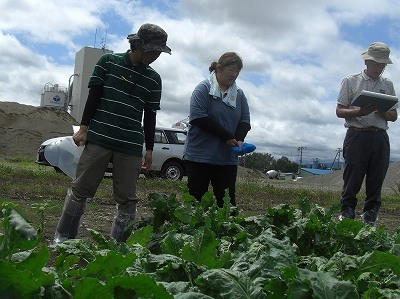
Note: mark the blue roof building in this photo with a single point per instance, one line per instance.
(313, 171)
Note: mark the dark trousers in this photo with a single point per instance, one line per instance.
(221, 177)
(366, 155)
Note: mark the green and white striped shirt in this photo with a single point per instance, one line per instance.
(127, 91)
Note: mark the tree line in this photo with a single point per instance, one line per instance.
(265, 161)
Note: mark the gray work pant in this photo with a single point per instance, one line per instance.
(90, 172)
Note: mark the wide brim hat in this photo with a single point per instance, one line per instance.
(152, 38)
(378, 52)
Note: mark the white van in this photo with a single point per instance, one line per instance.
(167, 154)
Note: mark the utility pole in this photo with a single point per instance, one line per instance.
(338, 151)
(300, 153)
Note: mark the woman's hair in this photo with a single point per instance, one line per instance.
(227, 59)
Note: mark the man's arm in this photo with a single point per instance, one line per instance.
(345, 112)
(91, 105)
(149, 128)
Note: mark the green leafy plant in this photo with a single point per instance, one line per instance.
(191, 249)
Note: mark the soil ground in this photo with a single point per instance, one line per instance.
(23, 128)
(99, 216)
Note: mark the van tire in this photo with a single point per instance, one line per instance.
(172, 171)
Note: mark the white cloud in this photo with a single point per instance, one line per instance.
(295, 55)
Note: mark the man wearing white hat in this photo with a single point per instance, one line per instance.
(366, 147)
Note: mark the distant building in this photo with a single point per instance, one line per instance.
(325, 165)
(53, 96)
(85, 60)
(312, 171)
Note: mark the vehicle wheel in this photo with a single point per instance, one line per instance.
(172, 171)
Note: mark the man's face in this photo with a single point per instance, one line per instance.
(150, 56)
(374, 69)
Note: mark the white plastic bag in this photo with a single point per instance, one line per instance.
(65, 155)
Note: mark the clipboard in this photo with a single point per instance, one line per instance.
(369, 98)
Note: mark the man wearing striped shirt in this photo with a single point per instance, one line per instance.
(124, 89)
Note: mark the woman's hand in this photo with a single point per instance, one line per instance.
(232, 142)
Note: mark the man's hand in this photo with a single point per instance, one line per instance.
(362, 111)
(148, 159)
(390, 115)
(80, 136)
(345, 112)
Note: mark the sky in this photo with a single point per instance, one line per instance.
(295, 55)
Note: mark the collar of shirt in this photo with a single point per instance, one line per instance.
(365, 77)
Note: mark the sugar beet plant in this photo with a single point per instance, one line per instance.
(196, 250)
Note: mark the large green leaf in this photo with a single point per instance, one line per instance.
(202, 250)
(141, 236)
(325, 286)
(22, 283)
(18, 236)
(226, 283)
(108, 263)
(174, 242)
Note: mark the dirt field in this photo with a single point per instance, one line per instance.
(23, 128)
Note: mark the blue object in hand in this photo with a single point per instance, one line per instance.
(245, 149)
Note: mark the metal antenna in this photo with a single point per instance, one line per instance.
(104, 41)
(95, 36)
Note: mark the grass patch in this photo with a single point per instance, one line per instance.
(30, 185)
